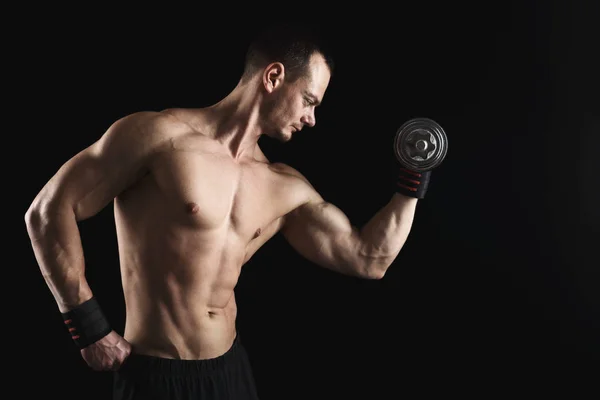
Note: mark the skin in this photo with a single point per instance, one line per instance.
(194, 199)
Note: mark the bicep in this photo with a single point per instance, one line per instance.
(323, 234)
(87, 182)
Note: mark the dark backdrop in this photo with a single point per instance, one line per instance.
(496, 287)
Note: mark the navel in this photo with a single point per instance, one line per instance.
(192, 208)
(257, 233)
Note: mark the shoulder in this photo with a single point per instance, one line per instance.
(149, 122)
(285, 169)
(144, 130)
(304, 191)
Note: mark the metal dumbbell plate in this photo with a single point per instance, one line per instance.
(420, 144)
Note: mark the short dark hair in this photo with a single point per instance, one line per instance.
(290, 43)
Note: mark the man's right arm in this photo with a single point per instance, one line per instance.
(82, 187)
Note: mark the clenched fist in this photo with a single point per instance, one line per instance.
(108, 353)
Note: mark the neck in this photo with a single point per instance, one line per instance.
(235, 122)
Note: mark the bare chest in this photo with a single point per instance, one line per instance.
(210, 191)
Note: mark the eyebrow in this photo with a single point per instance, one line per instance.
(313, 98)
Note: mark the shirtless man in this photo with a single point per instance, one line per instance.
(194, 198)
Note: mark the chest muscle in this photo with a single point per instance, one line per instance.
(213, 192)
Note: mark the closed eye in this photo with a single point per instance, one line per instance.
(309, 99)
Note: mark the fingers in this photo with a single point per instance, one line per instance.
(124, 350)
(106, 356)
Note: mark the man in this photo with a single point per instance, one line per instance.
(194, 198)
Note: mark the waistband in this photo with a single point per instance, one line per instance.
(146, 364)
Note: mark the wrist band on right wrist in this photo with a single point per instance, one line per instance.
(86, 323)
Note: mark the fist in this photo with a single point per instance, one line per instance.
(108, 353)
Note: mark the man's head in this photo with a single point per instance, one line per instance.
(293, 67)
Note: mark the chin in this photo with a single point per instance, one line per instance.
(282, 136)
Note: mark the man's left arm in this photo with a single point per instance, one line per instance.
(323, 234)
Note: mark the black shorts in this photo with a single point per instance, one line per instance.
(228, 376)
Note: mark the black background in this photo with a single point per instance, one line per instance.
(496, 289)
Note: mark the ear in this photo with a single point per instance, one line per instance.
(273, 76)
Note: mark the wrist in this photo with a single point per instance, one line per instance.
(74, 299)
(71, 291)
(412, 183)
(86, 323)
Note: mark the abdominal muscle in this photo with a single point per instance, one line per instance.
(178, 285)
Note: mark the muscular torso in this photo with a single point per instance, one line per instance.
(184, 232)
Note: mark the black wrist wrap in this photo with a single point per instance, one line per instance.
(412, 183)
(86, 323)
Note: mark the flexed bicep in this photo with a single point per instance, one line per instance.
(322, 233)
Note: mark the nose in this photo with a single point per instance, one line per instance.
(309, 119)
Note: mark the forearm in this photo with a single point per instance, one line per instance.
(384, 235)
(57, 247)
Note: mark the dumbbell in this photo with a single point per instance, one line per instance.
(420, 144)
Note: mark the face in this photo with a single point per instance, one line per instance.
(289, 107)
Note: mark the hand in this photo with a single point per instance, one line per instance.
(108, 353)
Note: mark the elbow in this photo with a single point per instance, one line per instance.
(33, 218)
(37, 218)
(373, 265)
(375, 273)
(373, 269)
(36, 222)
